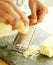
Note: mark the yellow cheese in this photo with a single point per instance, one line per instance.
(47, 47)
(6, 30)
(22, 28)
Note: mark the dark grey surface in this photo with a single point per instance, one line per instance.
(9, 52)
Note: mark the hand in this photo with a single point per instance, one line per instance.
(10, 14)
(38, 11)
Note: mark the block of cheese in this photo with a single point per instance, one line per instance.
(31, 51)
(22, 28)
(47, 47)
(6, 30)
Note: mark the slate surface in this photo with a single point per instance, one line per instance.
(9, 52)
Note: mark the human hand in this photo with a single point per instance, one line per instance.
(11, 14)
(38, 11)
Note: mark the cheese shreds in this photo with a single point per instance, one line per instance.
(31, 51)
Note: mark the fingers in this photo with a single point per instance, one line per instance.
(6, 18)
(38, 11)
(33, 20)
(8, 9)
(41, 14)
(33, 17)
(7, 14)
(2, 19)
(41, 10)
(23, 16)
(3, 16)
(10, 16)
(5, 0)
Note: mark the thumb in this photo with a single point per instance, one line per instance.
(33, 20)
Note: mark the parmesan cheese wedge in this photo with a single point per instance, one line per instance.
(7, 29)
(47, 47)
(22, 28)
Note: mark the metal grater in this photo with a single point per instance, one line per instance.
(24, 40)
